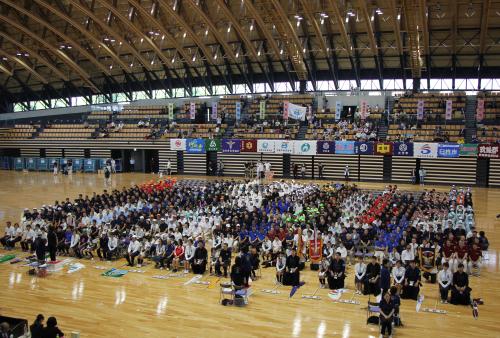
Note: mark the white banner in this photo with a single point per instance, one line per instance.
(420, 110)
(171, 111)
(449, 109)
(265, 146)
(304, 147)
(283, 147)
(214, 111)
(192, 110)
(177, 144)
(297, 112)
(425, 150)
(338, 110)
(363, 109)
(238, 110)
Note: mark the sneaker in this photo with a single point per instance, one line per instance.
(139, 265)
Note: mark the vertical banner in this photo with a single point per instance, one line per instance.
(192, 110)
(238, 110)
(214, 111)
(449, 109)
(338, 110)
(262, 109)
(285, 110)
(171, 111)
(363, 109)
(420, 110)
(480, 110)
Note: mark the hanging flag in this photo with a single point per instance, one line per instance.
(195, 145)
(214, 111)
(304, 147)
(192, 110)
(177, 144)
(448, 150)
(325, 147)
(238, 110)
(488, 151)
(265, 146)
(338, 110)
(285, 110)
(402, 149)
(363, 109)
(363, 148)
(383, 148)
(297, 112)
(420, 109)
(449, 109)
(425, 150)
(231, 145)
(171, 111)
(283, 147)
(468, 149)
(262, 109)
(212, 144)
(480, 110)
(248, 146)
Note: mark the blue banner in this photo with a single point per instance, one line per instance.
(238, 110)
(230, 145)
(448, 150)
(344, 147)
(195, 145)
(402, 149)
(363, 148)
(325, 147)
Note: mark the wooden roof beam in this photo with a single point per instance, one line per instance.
(267, 34)
(25, 65)
(484, 25)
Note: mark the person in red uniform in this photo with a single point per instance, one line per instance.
(447, 253)
(178, 255)
(475, 255)
(461, 253)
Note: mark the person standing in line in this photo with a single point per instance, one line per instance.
(386, 306)
(295, 167)
(113, 166)
(52, 243)
(55, 167)
(320, 170)
(421, 174)
(346, 173)
(303, 171)
(169, 167)
(413, 175)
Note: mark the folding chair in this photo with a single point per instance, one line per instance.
(372, 313)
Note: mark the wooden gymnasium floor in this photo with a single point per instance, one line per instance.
(140, 306)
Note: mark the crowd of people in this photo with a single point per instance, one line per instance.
(391, 239)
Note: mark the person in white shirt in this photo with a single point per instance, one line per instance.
(445, 280)
(342, 251)
(280, 267)
(359, 275)
(188, 254)
(133, 250)
(398, 275)
(407, 255)
(27, 239)
(74, 245)
(112, 245)
(267, 246)
(9, 234)
(276, 246)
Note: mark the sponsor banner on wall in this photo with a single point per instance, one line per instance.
(248, 146)
(230, 145)
(212, 145)
(192, 110)
(480, 110)
(265, 146)
(177, 144)
(402, 149)
(338, 110)
(325, 147)
(304, 147)
(383, 148)
(238, 110)
(487, 150)
(262, 109)
(468, 149)
(344, 147)
(170, 111)
(214, 110)
(425, 150)
(448, 150)
(363, 148)
(195, 145)
(283, 147)
(420, 109)
(449, 109)
(297, 112)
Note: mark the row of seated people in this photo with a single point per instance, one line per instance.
(342, 130)
(269, 129)
(405, 107)
(487, 134)
(426, 132)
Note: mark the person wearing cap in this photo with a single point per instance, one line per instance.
(133, 250)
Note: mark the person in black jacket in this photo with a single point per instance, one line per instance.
(412, 282)
(460, 291)
(200, 259)
(224, 260)
(236, 273)
(39, 246)
(52, 243)
(36, 328)
(336, 273)
(292, 274)
(372, 277)
(51, 330)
